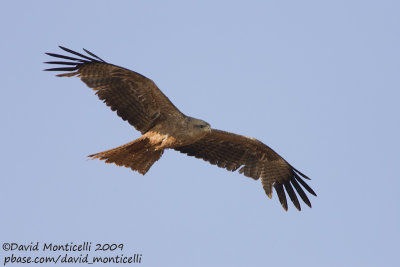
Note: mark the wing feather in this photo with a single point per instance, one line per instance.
(292, 194)
(306, 186)
(301, 192)
(255, 160)
(134, 97)
(281, 195)
(66, 57)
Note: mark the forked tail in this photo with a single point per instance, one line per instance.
(137, 155)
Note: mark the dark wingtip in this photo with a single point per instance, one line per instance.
(77, 54)
(73, 63)
(66, 57)
(62, 69)
(281, 195)
(93, 55)
(302, 174)
(292, 195)
(306, 186)
(61, 62)
(64, 48)
(300, 191)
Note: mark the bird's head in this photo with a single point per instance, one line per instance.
(199, 126)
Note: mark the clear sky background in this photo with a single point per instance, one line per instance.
(318, 81)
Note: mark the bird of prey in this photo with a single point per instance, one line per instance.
(139, 101)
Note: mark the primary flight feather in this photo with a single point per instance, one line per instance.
(138, 100)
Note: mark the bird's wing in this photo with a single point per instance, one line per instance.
(255, 160)
(134, 97)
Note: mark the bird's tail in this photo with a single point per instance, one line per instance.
(137, 155)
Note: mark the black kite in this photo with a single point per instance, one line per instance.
(138, 100)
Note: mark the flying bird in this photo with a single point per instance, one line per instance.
(139, 101)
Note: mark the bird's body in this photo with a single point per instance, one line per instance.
(138, 100)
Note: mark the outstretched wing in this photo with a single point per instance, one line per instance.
(232, 151)
(134, 97)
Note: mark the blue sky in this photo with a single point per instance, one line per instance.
(318, 81)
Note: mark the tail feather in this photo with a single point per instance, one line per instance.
(137, 155)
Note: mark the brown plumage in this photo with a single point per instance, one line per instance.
(138, 100)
